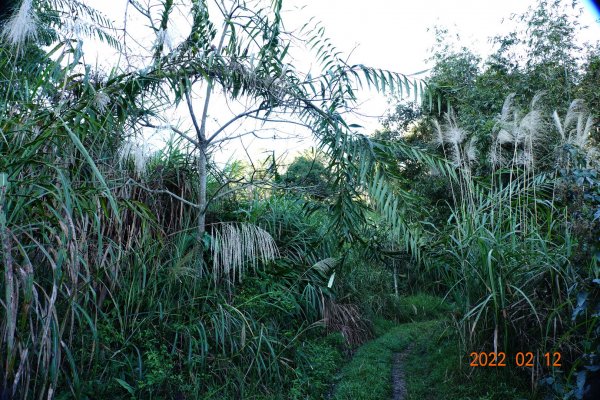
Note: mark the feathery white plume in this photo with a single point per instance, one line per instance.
(524, 158)
(575, 109)
(577, 125)
(536, 99)
(504, 137)
(453, 133)
(101, 101)
(439, 139)
(530, 127)
(22, 25)
(495, 157)
(471, 149)
(558, 124)
(507, 107)
(582, 133)
(138, 152)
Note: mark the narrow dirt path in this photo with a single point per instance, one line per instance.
(398, 382)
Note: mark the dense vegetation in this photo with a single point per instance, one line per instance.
(468, 223)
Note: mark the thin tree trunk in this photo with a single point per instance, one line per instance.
(202, 162)
(202, 175)
(396, 280)
(203, 143)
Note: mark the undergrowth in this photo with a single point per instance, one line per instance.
(434, 368)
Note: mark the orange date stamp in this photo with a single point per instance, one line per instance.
(521, 359)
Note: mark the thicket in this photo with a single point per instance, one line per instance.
(128, 276)
(166, 276)
(513, 239)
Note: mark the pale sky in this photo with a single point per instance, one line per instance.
(398, 35)
(390, 34)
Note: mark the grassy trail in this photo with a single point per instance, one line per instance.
(420, 361)
(398, 378)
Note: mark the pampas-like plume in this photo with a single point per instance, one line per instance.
(21, 26)
(577, 125)
(507, 108)
(523, 133)
(136, 151)
(524, 158)
(451, 134)
(439, 139)
(530, 128)
(101, 101)
(575, 131)
(234, 245)
(576, 108)
(517, 130)
(471, 150)
(495, 157)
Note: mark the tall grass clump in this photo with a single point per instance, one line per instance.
(507, 253)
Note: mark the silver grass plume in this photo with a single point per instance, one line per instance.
(536, 99)
(136, 151)
(504, 136)
(522, 133)
(507, 108)
(451, 134)
(507, 130)
(559, 126)
(530, 133)
(575, 130)
(496, 158)
(439, 139)
(21, 26)
(584, 134)
(576, 108)
(524, 158)
(577, 125)
(579, 135)
(471, 150)
(234, 245)
(101, 101)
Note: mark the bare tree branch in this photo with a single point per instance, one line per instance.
(174, 129)
(161, 191)
(231, 121)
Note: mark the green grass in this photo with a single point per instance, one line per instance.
(421, 307)
(434, 367)
(368, 375)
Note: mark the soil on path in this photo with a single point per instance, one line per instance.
(398, 381)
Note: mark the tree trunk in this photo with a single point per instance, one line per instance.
(202, 174)
(203, 143)
(396, 280)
